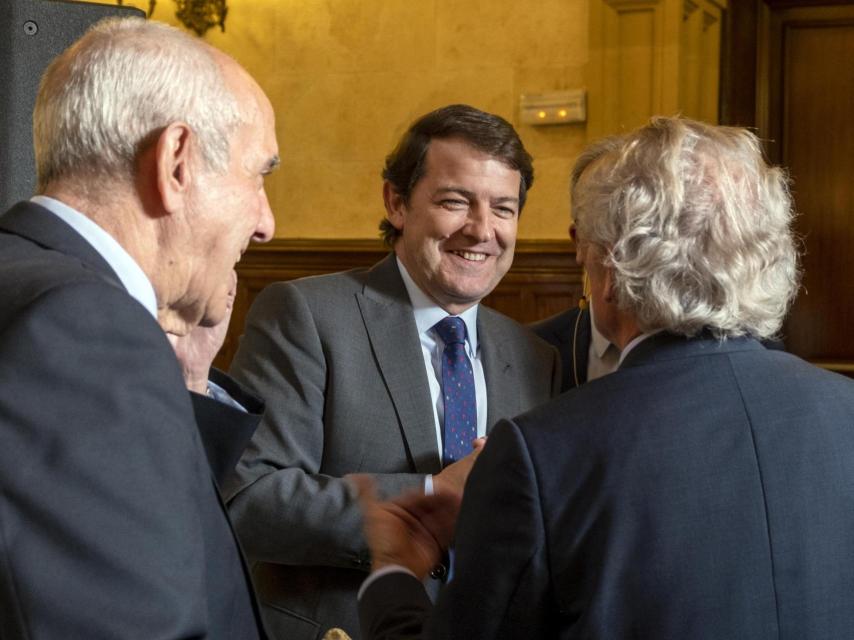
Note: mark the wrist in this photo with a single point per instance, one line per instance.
(199, 386)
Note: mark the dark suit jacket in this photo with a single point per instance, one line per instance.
(339, 361)
(111, 525)
(704, 490)
(569, 333)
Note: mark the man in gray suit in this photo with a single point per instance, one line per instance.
(351, 366)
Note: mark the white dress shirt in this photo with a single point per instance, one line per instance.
(602, 356)
(427, 313)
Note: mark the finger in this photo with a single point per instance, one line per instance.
(232, 290)
(436, 514)
(423, 507)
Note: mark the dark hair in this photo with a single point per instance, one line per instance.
(489, 133)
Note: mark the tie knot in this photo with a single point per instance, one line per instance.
(452, 330)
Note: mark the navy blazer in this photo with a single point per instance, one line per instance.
(569, 332)
(111, 525)
(704, 490)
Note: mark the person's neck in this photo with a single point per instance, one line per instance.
(119, 216)
(625, 330)
(123, 217)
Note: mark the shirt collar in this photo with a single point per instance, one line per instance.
(634, 342)
(600, 342)
(129, 272)
(428, 313)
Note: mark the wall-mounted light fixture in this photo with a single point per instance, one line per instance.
(198, 15)
(555, 107)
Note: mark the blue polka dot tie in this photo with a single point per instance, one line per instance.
(460, 426)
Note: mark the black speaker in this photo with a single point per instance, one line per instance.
(32, 33)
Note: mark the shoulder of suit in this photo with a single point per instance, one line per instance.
(320, 286)
(33, 272)
(557, 323)
(497, 324)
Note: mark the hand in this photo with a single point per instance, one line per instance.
(412, 530)
(197, 349)
(453, 478)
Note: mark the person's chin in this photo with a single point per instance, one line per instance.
(463, 288)
(214, 314)
(456, 297)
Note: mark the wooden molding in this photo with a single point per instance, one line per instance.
(652, 57)
(543, 280)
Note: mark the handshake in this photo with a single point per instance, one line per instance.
(414, 530)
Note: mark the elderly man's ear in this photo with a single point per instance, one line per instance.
(173, 167)
(610, 294)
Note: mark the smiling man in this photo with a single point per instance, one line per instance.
(391, 371)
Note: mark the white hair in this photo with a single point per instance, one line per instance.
(695, 226)
(107, 96)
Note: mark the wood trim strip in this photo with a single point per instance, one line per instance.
(543, 280)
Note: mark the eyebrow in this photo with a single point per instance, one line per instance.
(471, 195)
(272, 164)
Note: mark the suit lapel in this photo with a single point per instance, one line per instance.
(502, 384)
(387, 314)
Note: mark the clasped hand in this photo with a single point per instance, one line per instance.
(414, 530)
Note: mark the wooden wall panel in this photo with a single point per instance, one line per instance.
(813, 103)
(630, 71)
(652, 57)
(637, 74)
(786, 70)
(738, 64)
(544, 278)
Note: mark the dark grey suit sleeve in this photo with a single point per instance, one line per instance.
(285, 508)
(225, 430)
(99, 467)
(501, 578)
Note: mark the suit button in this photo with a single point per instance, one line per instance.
(439, 572)
(360, 561)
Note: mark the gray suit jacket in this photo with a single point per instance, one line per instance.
(339, 362)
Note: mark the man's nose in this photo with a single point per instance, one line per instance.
(479, 223)
(266, 222)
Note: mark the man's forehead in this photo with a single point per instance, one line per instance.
(258, 130)
(446, 156)
(445, 148)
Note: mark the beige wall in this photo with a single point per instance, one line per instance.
(347, 76)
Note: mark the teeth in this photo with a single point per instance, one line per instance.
(469, 255)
